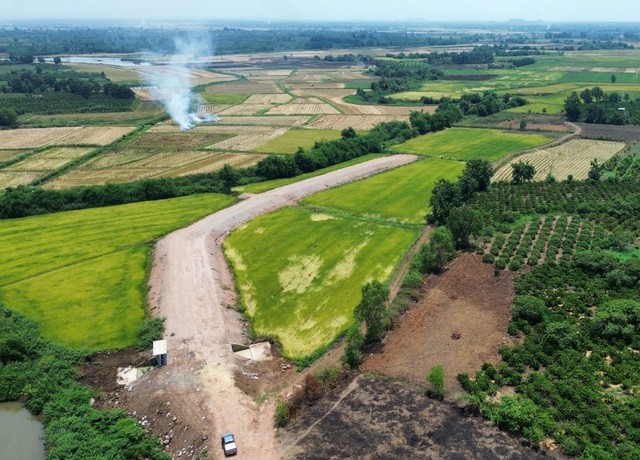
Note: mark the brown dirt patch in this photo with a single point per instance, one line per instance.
(375, 419)
(467, 302)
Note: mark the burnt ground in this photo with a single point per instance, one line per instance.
(460, 323)
(378, 419)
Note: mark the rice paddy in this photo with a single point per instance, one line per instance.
(81, 274)
(468, 144)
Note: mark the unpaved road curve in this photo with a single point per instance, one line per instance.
(190, 285)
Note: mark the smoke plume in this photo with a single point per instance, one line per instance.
(172, 83)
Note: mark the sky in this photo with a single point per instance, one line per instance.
(325, 10)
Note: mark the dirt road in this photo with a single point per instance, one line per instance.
(192, 287)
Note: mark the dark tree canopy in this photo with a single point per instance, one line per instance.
(444, 197)
(372, 309)
(522, 172)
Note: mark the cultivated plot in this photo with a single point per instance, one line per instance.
(286, 121)
(572, 158)
(38, 137)
(299, 273)
(469, 144)
(48, 160)
(124, 165)
(358, 122)
(81, 274)
(290, 141)
(400, 195)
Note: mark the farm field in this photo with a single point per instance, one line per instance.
(68, 252)
(260, 187)
(299, 273)
(285, 121)
(400, 195)
(183, 140)
(571, 158)
(38, 164)
(124, 165)
(357, 122)
(224, 98)
(294, 138)
(29, 138)
(469, 144)
(244, 139)
(10, 155)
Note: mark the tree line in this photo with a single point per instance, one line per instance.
(596, 106)
(79, 83)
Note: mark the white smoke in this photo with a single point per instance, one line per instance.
(171, 83)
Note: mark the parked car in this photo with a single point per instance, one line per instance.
(229, 444)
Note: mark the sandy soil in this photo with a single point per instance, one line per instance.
(191, 285)
(460, 324)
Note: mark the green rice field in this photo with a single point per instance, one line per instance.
(299, 273)
(400, 195)
(294, 138)
(260, 187)
(468, 144)
(82, 274)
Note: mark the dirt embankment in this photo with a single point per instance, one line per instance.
(192, 400)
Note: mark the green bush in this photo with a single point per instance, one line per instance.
(282, 414)
(436, 380)
(488, 258)
(353, 346)
(152, 329)
(413, 280)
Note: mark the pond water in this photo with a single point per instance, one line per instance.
(21, 433)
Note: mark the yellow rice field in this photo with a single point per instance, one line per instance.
(29, 138)
(572, 158)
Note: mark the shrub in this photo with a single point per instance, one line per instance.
(436, 379)
(529, 309)
(488, 258)
(152, 329)
(413, 280)
(282, 413)
(353, 346)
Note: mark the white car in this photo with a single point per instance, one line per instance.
(229, 444)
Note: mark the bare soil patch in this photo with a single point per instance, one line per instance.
(467, 301)
(377, 419)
